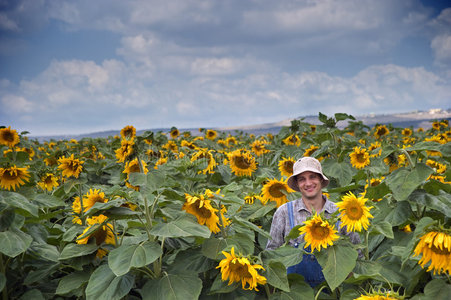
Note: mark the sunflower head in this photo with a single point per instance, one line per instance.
(13, 177)
(48, 182)
(242, 162)
(174, 133)
(292, 140)
(9, 137)
(354, 213)
(211, 134)
(200, 207)
(237, 268)
(381, 131)
(259, 147)
(360, 158)
(128, 132)
(309, 151)
(318, 233)
(275, 190)
(70, 166)
(435, 247)
(286, 166)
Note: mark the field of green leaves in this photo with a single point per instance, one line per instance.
(180, 215)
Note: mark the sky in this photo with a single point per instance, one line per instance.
(75, 67)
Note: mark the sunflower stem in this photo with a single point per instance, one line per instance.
(82, 217)
(409, 159)
(367, 254)
(221, 223)
(3, 271)
(319, 291)
(268, 292)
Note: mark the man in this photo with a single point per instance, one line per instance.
(307, 178)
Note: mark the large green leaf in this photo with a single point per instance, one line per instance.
(181, 227)
(212, 247)
(299, 289)
(276, 275)
(383, 227)
(46, 200)
(19, 201)
(125, 257)
(251, 226)
(287, 255)
(337, 261)
(46, 251)
(104, 285)
(2, 281)
(72, 282)
(342, 171)
(435, 289)
(191, 259)
(173, 287)
(75, 250)
(14, 242)
(400, 213)
(402, 182)
(441, 202)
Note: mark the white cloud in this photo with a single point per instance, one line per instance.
(441, 45)
(16, 104)
(8, 24)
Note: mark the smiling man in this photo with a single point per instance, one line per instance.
(307, 178)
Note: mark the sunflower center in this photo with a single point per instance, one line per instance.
(240, 269)
(360, 157)
(48, 180)
(97, 199)
(439, 251)
(100, 236)
(202, 212)
(320, 232)
(8, 136)
(288, 166)
(242, 163)
(10, 175)
(275, 190)
(354, 211)
(134, 169)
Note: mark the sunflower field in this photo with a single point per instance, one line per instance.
(183, 215)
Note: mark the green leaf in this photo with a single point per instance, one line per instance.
(287, 255)
(337, 261)
(299, 289)
(173, 287)
(14, 242)
(104, 285)
(436, 289)
(19, 201)
(400, 213)
(242, 242)
(6, 218)
(125, 257)
(342, 171)
(34, 294)
(441, 202)
(181, 227)
(403, 182)
(212, 247)
(46, 251)
(343, 116)
(72, 182)
(50, 201)
(276, 275)
(190, 259)
(75, 250)
(251, 226)
(71, 282)
(384, 228)
(137, 179)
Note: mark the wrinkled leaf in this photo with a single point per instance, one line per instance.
(173, 287)
(14, 242)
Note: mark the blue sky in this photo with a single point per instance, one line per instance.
(73, 67)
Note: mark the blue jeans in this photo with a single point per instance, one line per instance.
(309, 268)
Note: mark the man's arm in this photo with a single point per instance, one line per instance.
(277, 230)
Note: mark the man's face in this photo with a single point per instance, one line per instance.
(309, 184)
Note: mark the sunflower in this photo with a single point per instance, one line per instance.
(104, 234)
(12, 177)
(360, 158)
(374, 146)
(407, 132)
(259, 147)
(171, 146)
(438, 167)
(275, 190)
(200, 207)
(242, 162)
(174, 133)
(318, 233)
(231, 141)
(379, 295)
(354, 213)
(48, 182)
(309, 151)
(286, 166)
(375, 182)
(435, 246)
(250, 198)
(381, 131)
(205, 155)
(211, 134)
(292, 140)
(70, 166)
(133, 167)
(189, 145)
(238, 268)
(93, 197)
(9, 137)
(128, 132)
(436, 125)
(125, 150)
(394, 161)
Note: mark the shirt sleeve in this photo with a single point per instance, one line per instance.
(277, 230)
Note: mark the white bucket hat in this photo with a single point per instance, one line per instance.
(306, 164)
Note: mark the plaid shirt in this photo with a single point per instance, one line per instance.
(280, 226)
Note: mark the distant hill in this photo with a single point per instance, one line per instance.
(413, 119)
